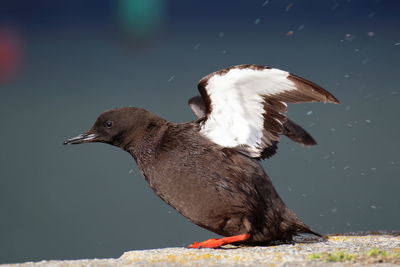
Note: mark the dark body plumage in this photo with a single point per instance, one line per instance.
(209, 169)
(216, 188)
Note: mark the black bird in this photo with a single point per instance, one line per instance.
(209, 169)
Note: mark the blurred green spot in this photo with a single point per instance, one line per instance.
(140, 16)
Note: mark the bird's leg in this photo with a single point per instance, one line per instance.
(216, 243)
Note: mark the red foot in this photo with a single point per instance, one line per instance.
(216, 243)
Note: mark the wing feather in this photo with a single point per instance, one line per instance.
(245, 106)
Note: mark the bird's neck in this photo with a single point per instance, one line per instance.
(144, 143)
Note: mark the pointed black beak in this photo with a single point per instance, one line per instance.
(82, 138)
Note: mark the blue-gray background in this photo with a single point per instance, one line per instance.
(67, 61)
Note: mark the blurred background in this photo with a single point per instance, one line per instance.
(64, 62)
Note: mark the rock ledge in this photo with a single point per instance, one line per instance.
(353, 249)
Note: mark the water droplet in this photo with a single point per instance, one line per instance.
(288, 7)
(301, 27)
(334, 210)
(367, 96)
(349, 37)
(309, 113)
(171, 78)
(257, 21)
(373, 207)
(265, 3)
(221, 34)
(197, 46)
(333, 129)
(365, 60)
(289, 33)
(368, 121)
(130, 171)
(345, 167)
(371, 34)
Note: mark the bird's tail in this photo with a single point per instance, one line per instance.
(297, 134)
(295, 226)
(303, 229)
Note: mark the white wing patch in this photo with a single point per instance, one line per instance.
(237, 105)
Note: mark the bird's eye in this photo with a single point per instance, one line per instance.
(108, 124)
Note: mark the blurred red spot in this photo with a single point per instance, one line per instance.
(10, 54)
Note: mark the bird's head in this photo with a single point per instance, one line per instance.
(116, 127)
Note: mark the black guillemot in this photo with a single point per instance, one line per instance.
(209, 169)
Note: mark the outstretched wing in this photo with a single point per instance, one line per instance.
(290, 129)
(245, 105)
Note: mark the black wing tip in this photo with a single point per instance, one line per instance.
(308, 140)
(297, 134)
(305, 140)
(331, 98)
